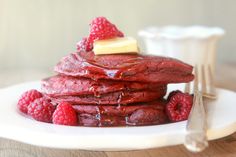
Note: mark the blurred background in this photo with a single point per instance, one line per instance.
(35, 34)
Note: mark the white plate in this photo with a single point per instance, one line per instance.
(13, 125)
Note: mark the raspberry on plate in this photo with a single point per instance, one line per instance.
(41, 110)
(65, 115)
(27, 98)
(179, 106)
(172, 94)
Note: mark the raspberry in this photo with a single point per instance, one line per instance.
(27, 98)
(65, 115)
(172, 94)
(41, 110)
(179, 106)
(84, 45)
(101, 28)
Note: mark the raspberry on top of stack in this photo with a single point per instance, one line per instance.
(107, 82)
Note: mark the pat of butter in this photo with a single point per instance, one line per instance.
(116, 46)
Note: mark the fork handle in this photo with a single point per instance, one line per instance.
(196, 139)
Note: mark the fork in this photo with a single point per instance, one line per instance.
(207, 82)
(208, 86)
(196, 139)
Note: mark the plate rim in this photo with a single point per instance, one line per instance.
(147, 144)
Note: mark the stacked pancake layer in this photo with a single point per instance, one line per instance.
(115, 90)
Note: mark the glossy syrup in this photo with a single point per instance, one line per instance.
(105, 119)
(114, 68)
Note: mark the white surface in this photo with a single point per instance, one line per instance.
(194, 44)
(13, 125)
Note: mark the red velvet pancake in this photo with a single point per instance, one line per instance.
(121, 97)
(70, 86)
(133, 115)
(125, 67)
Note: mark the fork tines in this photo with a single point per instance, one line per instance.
(204, 81)
(207, 83)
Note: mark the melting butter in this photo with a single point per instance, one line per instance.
(116, 46)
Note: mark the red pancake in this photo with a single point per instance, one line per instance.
(118, 110)
(126, 67)
(70, 86)
(121, 97)
(134, 115)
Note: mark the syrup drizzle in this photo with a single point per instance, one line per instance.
(105, 120)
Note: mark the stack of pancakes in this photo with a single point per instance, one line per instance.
(115, 90)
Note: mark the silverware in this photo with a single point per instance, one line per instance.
(196, 139)
(208, 86)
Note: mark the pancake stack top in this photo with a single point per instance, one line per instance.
(115, 90)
